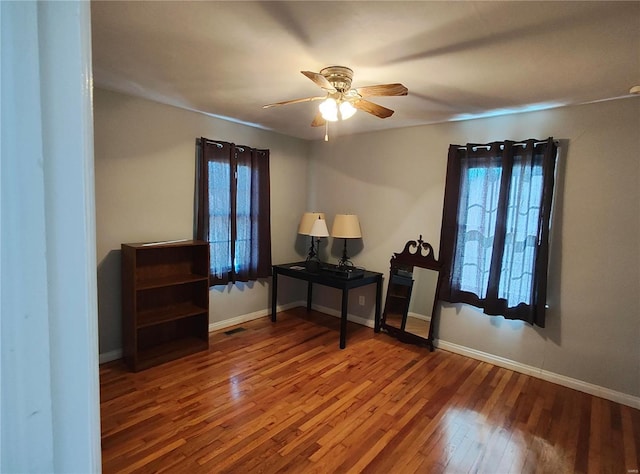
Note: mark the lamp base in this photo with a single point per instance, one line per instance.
(312, 251)
(344, 261)
(312, 266)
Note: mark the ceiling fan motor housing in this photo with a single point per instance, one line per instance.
(339, 76)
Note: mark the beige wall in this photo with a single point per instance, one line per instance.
(144, 171)
(394, 181)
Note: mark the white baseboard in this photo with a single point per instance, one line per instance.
(350, 317)
(109, 356)
(265, 312)
(243, 318)
(419, 316)
(563, 380)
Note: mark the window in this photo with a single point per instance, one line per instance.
(233, 210)
(495, 229)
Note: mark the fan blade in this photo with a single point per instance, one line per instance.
(320, 80)
(318, 120)
(373, 109)
(382, 90)
(293, 101)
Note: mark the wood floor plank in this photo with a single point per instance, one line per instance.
(630, 444)
(284, 398)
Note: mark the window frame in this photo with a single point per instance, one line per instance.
(545, 151)
(258, 262)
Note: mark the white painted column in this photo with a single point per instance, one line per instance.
(49, 409)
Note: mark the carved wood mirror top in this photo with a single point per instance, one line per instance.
(416, 253)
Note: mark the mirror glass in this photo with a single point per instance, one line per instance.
(421, 303)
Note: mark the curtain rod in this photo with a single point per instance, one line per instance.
(220, 145)
(488, 147)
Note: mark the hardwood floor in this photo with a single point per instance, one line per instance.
(283, 398)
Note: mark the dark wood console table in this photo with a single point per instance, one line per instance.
(297, 270)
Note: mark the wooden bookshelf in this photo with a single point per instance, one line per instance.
(165, 301)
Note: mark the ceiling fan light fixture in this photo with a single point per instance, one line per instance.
(347, 110)
(329, 109)
(333, 110)
(340, 102)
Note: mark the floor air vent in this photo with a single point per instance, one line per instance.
(233, 331)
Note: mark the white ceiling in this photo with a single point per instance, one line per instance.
(458, 59)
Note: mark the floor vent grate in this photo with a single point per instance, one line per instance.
(233, 331)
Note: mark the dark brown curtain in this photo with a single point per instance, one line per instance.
(233, 210)
(494, 242)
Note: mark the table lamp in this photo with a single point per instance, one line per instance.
(318, 229)
(346, 226)
(304, 228)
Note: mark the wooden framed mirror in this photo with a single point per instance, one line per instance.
(412, 294)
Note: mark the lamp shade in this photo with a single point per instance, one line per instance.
(333, 110)
(347, 110)
(307, 220)
(319, 228)
(329, 109)
(346, 226)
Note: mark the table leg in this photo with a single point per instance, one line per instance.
(376, 326)
(309, 295)
(343, 319)
(274, 295)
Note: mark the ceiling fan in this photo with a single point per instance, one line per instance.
(340, 101)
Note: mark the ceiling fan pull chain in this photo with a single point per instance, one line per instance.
(326, 131)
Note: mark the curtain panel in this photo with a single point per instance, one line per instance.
(494, 241)
(233, 210)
